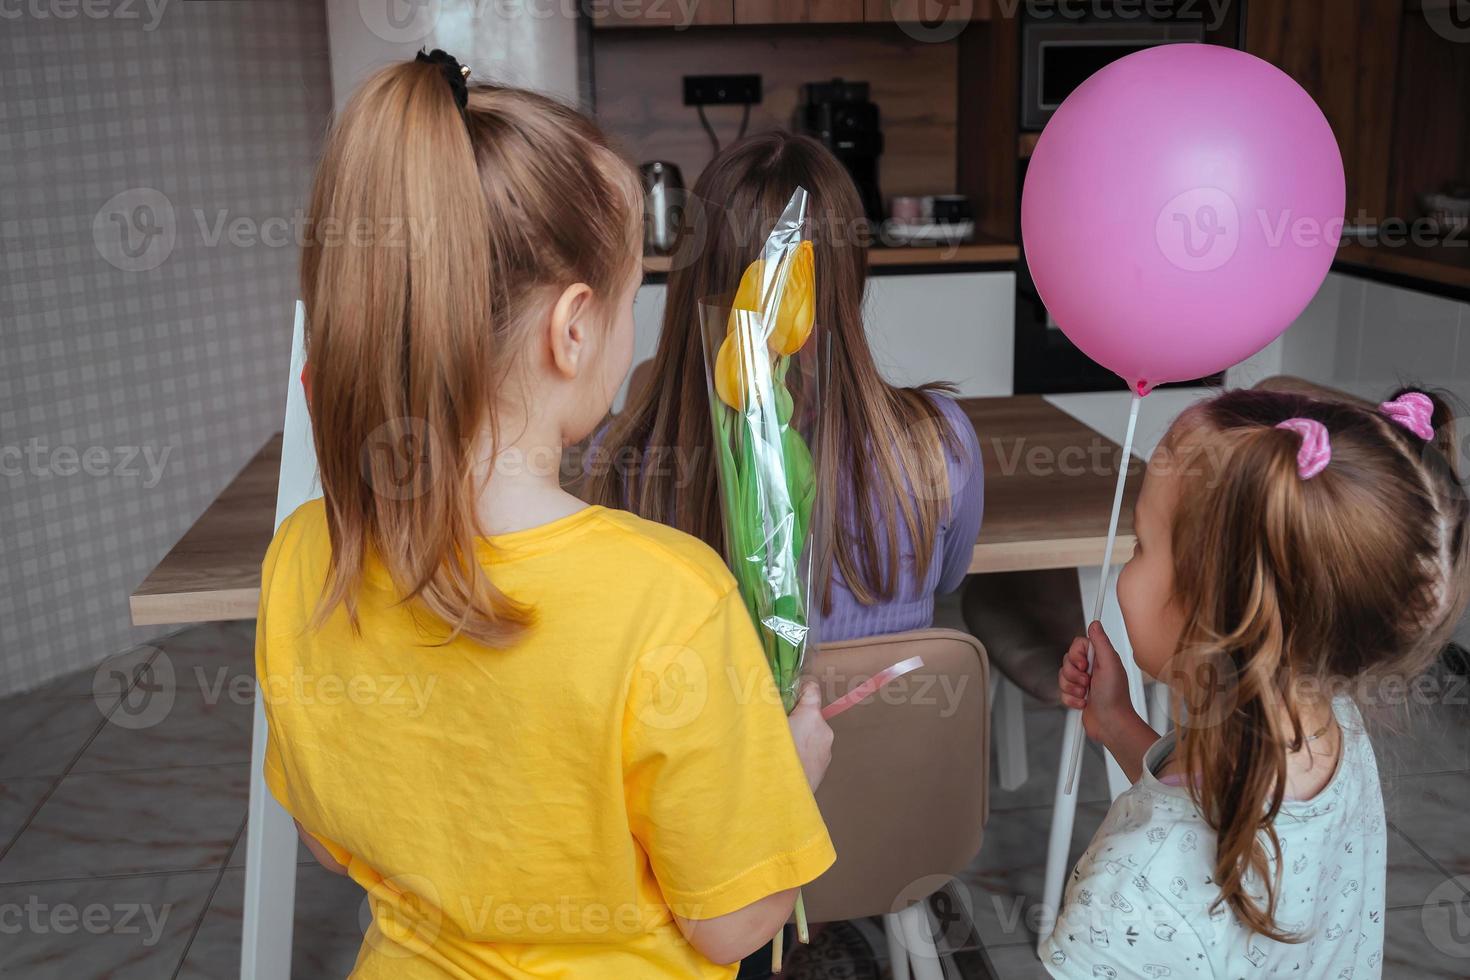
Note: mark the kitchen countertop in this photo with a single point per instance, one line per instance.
(926, 257)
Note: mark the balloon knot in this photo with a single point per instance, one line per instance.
(1143, 387)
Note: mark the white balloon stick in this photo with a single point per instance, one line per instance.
(1076, 730)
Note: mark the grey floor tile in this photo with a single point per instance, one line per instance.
(120, 928)
(1432, 943)
(1431, 812)
(1411, 876)
(1007, 878)
(213, 654)
(1016, 963)
(41, 737)
(122, 668)
(1425, 738)
(195, 728)
(328, 928)
(18, 799)
(98, 824)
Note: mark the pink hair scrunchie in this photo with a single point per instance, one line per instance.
(1414, 411)
(1316, 450)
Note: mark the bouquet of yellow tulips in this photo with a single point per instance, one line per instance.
(763, 388)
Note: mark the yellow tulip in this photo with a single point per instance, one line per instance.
(728, 381)
(793, 321)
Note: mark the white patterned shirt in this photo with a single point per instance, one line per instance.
(1138, 903)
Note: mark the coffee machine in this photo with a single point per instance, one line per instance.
(840, 115)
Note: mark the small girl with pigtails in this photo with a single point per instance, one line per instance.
(1290, 548)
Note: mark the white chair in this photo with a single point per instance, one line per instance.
(270, 834)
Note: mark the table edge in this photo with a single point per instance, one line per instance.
(1033, 556)
(176, 608)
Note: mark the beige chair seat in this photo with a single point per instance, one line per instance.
(1026, 621)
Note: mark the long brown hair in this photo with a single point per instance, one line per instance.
(1292, 585)
(434, 231)
(886, 444)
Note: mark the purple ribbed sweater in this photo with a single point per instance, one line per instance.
(912, 606)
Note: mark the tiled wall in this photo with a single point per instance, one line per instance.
(153, 168)
(1368, 337)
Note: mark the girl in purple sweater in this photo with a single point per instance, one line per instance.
(903, 464)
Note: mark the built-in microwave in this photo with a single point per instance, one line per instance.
(1059, 55)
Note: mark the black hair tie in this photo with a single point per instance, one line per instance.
(456, 74)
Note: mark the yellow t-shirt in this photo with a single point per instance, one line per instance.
(537, 811)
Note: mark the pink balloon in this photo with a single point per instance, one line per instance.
(1181, 209)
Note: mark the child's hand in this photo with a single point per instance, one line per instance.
(811, 733)
(1102, 696)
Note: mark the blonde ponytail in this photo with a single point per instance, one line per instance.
(431, 232)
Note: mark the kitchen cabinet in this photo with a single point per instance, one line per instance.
(934, 15)
(648, 322)
(1345, 54)
(676, 14)
(798, 11)
(950, 326)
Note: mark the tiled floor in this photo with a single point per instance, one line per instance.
(122, 805)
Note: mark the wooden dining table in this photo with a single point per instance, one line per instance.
(1048, 490)
(1049, 482)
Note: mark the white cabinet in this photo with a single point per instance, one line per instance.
(950, 326)
(648, 320)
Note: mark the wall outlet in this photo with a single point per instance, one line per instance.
(722, 89)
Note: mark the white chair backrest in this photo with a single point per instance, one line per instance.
(299, 481)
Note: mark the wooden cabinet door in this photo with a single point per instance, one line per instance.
(1345, 54)
(676, 14)
(798, 11)
(933, 14)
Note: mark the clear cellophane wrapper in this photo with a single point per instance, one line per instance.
(764, 367)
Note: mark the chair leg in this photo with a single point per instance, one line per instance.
(1010, 735)
(923, 953)
(1159, 708)
(1059, 843)
(898, 950)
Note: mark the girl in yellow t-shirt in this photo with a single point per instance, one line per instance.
(541, 735)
